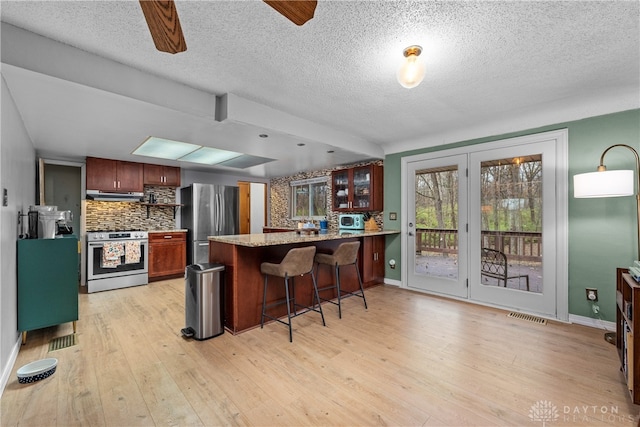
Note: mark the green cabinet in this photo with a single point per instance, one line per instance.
(47, 283)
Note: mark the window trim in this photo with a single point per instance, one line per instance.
(307, 182)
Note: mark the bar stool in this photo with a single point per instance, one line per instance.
(345, 254)
(297, 262)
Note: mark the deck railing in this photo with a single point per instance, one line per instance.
(519, 245)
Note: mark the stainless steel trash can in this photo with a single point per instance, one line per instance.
(203, 303)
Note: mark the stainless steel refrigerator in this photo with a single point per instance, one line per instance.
(209, 210)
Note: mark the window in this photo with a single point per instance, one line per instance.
(309, 198)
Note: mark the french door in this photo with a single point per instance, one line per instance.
(437, 226)
(482, 223)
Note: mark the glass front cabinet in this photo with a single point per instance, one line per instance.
(357, 189)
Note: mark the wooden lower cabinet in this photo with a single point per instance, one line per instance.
(167, 255)
(373, 259)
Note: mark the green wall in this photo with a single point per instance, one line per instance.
(602, 232)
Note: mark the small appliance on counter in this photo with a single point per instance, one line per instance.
(47, 222)
(351, 222)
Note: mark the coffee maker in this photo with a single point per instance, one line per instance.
(46, 221)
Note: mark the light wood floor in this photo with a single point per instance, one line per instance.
(410, 359)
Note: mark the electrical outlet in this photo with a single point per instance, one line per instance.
(592, 294)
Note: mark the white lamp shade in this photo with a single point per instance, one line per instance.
(614, 183)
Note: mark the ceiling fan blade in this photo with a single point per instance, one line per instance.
(297, 11)
(164, 25)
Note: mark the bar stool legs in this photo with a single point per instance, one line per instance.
(341, 294)
(346, 254)
(299, 261)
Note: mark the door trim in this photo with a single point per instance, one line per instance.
(561, 138)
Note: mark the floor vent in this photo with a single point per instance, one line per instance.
(63, 342)
(528, 318)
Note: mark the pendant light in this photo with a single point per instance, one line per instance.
(412, 69)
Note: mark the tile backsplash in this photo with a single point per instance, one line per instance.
(281, 199)
(131, 215)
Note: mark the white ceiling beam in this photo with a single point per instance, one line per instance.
(33, 52)
(234, 108)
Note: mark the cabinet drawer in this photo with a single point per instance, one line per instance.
(170, 236)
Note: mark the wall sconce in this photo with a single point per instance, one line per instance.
(412, 69)
(604, 183)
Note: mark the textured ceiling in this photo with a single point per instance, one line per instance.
(486, 61)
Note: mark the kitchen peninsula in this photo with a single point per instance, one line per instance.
(243, 254)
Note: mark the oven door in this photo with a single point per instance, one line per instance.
(101, 267)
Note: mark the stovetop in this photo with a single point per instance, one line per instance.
(117, 235)
(115, 230)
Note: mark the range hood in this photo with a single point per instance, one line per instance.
(102, 196)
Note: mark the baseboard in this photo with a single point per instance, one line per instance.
(392, 282)
(594, 323)
(6, 370)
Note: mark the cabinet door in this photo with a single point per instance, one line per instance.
(171, 176)
(130, 176)
(361, 188)
(373, 259)
(167, 254)
(47, 282)
(167, 258)
(161, 175)
(153, 174)
(101, 174)
(340, 196)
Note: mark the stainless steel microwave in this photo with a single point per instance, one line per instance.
(351, 222)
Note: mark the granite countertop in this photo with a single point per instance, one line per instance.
(286, 238)
(168, 231)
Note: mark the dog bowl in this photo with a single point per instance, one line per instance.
(36, 371)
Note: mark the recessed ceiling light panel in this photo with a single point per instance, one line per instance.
(209, 156)
(164, 148)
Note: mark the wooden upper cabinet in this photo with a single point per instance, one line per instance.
(161, 175)
(114, 175)
(358, 189)
(130, 176)
(101, 174)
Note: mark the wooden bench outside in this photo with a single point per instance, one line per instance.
(494, 264)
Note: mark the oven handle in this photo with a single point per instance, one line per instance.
(100, 245)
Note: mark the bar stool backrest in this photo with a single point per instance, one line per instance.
(346, 253)
(297, 261)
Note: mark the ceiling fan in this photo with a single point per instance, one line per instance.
(164, 24)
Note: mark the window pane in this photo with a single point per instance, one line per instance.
(301, 200)
(511, 215)
(437, 222)
(318, 199)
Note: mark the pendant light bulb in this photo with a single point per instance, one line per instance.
(412, 69)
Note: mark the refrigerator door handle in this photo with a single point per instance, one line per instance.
(223, 220)
(217, 214)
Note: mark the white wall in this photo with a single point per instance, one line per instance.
(258, 202)
(17, 175)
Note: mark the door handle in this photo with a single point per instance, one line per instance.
(411, 233)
